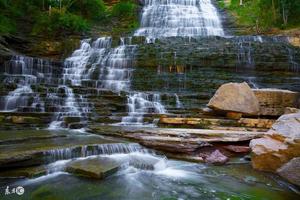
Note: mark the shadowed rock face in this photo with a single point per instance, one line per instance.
(279, 145)
(235, 97)
(290, 171)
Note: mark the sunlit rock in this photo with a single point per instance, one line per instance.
(274, 101)
(235, 97)
(279, 145)
(258, 123)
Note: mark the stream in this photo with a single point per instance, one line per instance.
(144, 174)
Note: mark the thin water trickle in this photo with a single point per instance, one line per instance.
(178, 102)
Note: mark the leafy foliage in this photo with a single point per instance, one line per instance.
(124, 8)
(265, 14)
(58, 22)
(91, 9)
(58, 17)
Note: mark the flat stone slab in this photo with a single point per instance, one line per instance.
(16, 136)
(98, 167)
(23, 152)
(178, 134)
(28, 172)
(206, 135)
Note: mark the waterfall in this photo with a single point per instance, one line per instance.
(24, 72)
(140, 104)
(118, 67)
(178, 102)
(127, 155)
(99, 64)
(252, 82)
(91, 150)
(70, 108)
(245, 51)
(295, 66)
(166, 18)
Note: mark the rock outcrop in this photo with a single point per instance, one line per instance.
(195, 145)
(235, 97)
(291, 171)
(273, 102)
(279, 145)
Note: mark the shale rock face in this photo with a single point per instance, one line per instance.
(279, 145)
(235, 97)
(273, 102)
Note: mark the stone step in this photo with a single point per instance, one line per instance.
(97, 168)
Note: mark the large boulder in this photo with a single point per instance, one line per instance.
(279, 145)
(291, 171)
(273, 102)
(235, 97)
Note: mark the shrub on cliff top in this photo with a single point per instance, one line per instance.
(123, 8)
(59, 21)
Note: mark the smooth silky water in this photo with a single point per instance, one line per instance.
(145, 174)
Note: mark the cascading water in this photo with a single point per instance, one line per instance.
(77, 70)
(140, 104)
(295, 66)
(168, 18)
(178, 102)
(117, 67)
(24, 72)
(131, 154)
(91, 150)
(70, 109)
(165, 19)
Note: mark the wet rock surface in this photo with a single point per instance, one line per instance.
(28, 148)
(188, 144)
(97, 168)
